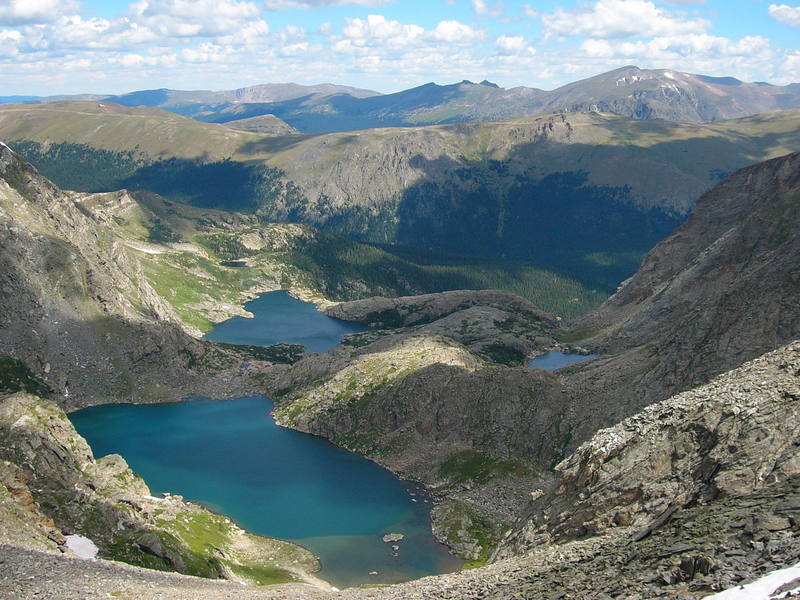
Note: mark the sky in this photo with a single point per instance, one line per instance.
(50, 47)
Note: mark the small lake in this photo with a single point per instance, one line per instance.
(280, 319)
(551, 361)
(229, 455)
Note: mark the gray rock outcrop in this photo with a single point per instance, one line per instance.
(730, 438)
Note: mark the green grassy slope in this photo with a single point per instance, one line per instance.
(184, 251)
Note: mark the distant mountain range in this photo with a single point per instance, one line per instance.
(628, 91)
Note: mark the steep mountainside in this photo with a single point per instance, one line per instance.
(550, 189)
(722, 289)
(76, 312)
(731, 439)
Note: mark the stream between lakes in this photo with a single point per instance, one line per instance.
(231, 456)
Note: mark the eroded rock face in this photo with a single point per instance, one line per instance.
(76, 309)
(734, 436)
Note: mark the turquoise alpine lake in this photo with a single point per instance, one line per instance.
(280, 319)
(551, 361)
(229, 455)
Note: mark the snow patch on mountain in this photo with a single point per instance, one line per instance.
(783, 583)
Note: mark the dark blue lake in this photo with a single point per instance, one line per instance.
(280, 319)
(230, 455)
(550, 361)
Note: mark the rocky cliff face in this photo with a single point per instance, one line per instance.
(52, 486)
(728, 439)
(76, 309)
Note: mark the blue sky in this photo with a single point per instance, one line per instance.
(112, 46)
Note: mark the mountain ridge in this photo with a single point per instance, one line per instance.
(327, 108)
(627, 91)
(75, 301)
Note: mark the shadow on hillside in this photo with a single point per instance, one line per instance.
(272, 145)
(590, 211)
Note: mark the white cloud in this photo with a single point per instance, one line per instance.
(482, 9)
(74, 32)
(298, 49)
(789, 69)
(251, 34)
(750, 58)
(457, 33)
(377, 31)
(513, 45)
(529, 11)
(288, 4)
(131, 60)
(378, 36)
(193, 18)
(22, 12)
(10, 42)
(785, 14)
(619, 19)
(207, 53)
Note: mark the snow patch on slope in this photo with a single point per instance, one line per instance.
(765, 588)
(82, 546)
